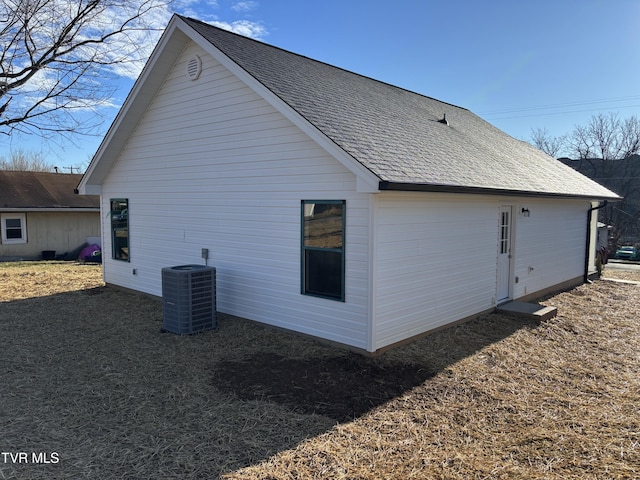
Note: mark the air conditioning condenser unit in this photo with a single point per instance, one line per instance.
(188, 299)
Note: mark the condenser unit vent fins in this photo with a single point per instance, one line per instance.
(188, 299)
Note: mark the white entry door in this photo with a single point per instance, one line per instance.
(504, 254)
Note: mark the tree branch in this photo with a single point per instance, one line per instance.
(51, 54)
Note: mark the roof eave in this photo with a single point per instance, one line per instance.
(160, 62)
(424, 187)
(50, 209)
(171, 44)
(366, 179)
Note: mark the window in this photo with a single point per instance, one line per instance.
(14, 228)
(505, 229)
(120, 229)
(323, 226)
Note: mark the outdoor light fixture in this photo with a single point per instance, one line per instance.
(525, 212)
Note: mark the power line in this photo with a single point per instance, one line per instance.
(559, 105)
(493, 113)
(560, 113)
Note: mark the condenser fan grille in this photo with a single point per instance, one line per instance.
(188, 299)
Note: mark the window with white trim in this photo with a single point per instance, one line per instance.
(14, 228)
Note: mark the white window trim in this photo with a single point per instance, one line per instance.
(23, 224)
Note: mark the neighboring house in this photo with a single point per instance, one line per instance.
(622, 176)
(603, 236)
(40, 212)
(330, 203)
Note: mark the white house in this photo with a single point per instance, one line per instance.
(330, 203)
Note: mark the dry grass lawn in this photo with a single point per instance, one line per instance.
(627, 275)
(89, 382)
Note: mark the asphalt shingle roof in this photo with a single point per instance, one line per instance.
(395, 133)
(43, 190)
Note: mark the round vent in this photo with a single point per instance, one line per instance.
(194, 67)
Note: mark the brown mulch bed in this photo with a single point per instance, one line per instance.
(88, 375)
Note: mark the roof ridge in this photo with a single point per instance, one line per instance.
(392, 132)
(351, 72)
(397, 134)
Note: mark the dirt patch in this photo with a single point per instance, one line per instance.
(341, 387)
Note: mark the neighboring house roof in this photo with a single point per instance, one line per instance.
(43, 191)
(622, 175)
(395, 134)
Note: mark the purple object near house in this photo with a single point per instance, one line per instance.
(88, 253)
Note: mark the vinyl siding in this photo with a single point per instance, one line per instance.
(552, 241)
(59, 231)
(212, 165)
(436, 256)
(435, 262)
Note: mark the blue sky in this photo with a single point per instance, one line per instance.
(521, 65)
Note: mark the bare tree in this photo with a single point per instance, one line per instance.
(57, 58)
(541, 139)
(23, 161)
(606, 137)
(607, 150)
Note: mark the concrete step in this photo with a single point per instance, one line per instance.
(529, 310)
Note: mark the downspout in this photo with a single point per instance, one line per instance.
(586, 255)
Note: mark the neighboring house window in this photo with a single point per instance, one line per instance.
(120, 229)
(323, 228)
(14, 228)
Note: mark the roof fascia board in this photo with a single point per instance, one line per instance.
(153, 74)
(411, 187)
(90, 189)
(367, 181)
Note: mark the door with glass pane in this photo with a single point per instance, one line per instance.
(504, 254)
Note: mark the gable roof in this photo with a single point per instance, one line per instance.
(391, 134)
(43, 191)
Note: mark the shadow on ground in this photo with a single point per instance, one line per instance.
(346, 385)
(90, 376)
(341, 388)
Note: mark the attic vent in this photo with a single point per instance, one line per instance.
(194, 67)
